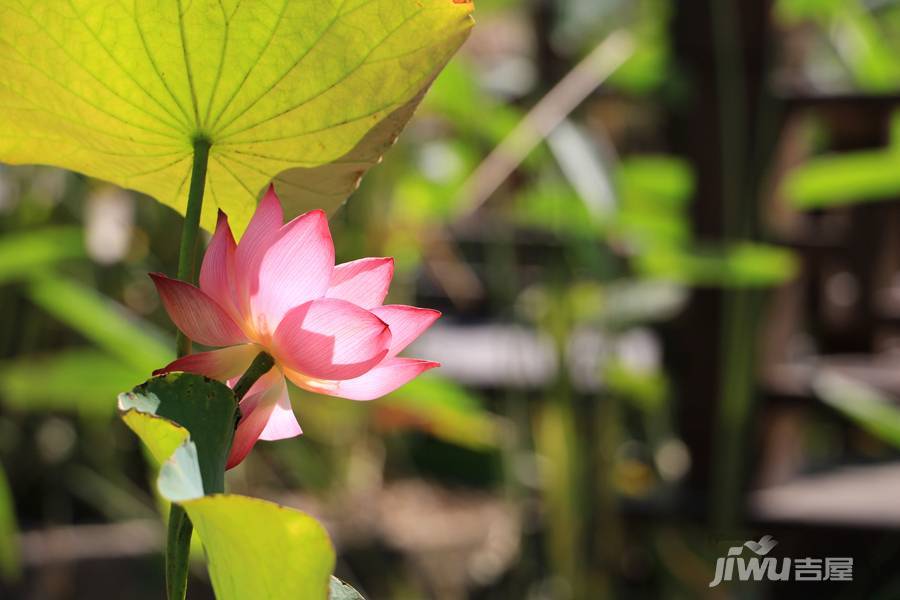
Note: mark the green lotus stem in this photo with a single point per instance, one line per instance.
(739, 318)
(178, 540)
(178, 552)
(729, 467)
(259, 367)
(187, 254)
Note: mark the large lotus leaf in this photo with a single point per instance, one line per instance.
(120, 90)
(255, 549)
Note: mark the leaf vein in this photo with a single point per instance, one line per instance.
(125, 72)
(187, 64)
(312, 47)
(328, 88)
(162, 79)
(255, 62)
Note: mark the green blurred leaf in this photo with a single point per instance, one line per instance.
(792, 11)
(868, 51)
(456, 91)
(25, 253)
(552, 206)
(654, 192)
(868, 407)
(633, 302)
(443, 409)
(102, 321)
(657, 179)
(740, 265)
(648, 68)
(844, 179)
(647, 390)
(857, 37)
(80, 380)
(341, 590)
(9, 538)
(255, 549)
(121, 90)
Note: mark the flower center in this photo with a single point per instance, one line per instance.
(259, 325)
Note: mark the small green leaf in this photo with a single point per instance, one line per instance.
(206, 408)
(844, 179)
(160, 436)
(658, 179)
(648, 390)
(121, 90)
(555, 207)
(743, 265)
(341, 590)
(871, 409)
(654, 192)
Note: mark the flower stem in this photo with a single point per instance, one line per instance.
(178, 552)
(178, 542)
(259, 367)
(187, 254)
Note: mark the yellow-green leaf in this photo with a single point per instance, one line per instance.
(121, 90)
(161, 436)
(258, 549)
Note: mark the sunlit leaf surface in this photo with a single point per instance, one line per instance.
(121, 90)
(258, 549)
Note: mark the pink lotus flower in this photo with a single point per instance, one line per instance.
(279, 291)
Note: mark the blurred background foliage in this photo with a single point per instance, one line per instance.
(559, 453)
